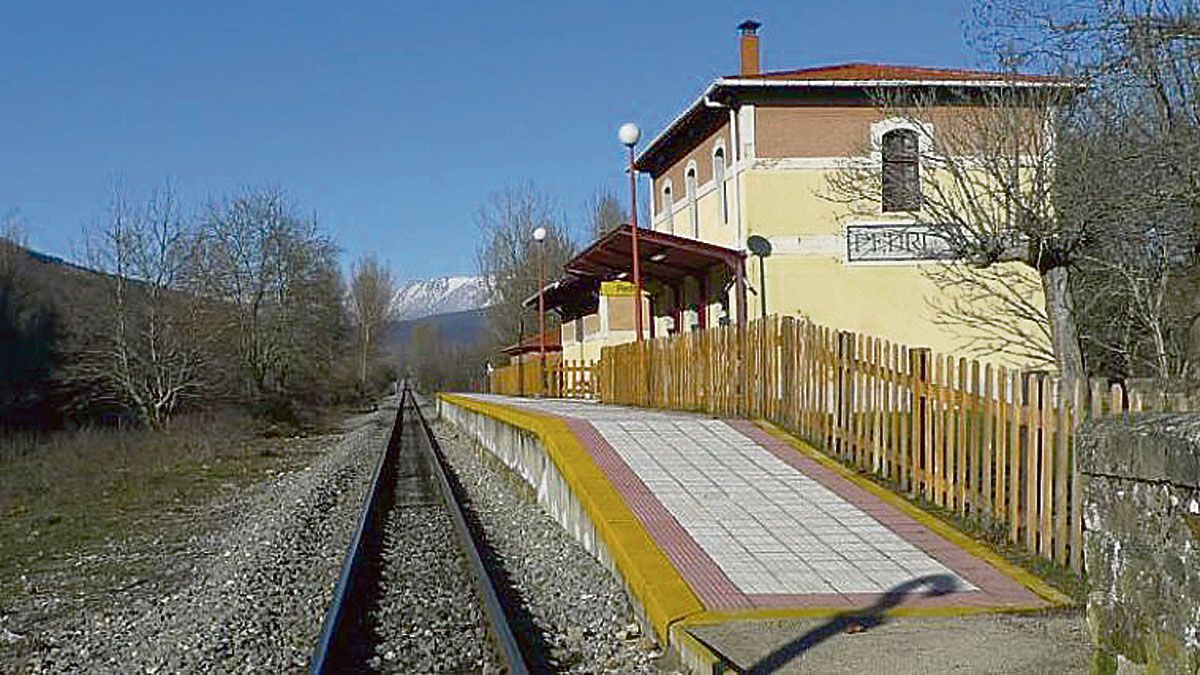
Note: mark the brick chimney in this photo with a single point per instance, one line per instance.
(749, 47)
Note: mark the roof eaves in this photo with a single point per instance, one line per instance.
(532, 299)
(816, 83)
(734, 82)
(675, 123)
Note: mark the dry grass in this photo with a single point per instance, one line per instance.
(64, 462)
(65, 494)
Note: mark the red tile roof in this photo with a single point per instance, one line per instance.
(879, 72)
(533, 343)
(849, 76)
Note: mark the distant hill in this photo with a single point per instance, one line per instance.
(459, 329)
(41, 298)
(438, 296)
(60, 281)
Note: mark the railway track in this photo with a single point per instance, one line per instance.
(414, 591)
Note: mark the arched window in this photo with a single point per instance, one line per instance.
(668, 205)
(901, 171)
(719, 180)
(693, 211)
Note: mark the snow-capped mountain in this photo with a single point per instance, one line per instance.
(440, 295)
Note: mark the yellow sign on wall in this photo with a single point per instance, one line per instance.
(616, 289)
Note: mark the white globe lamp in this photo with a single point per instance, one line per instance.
(539, 234)
(629, 133)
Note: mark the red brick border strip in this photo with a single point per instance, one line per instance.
(702, 573)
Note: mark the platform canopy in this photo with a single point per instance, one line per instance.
(664, 257)
(571, 296)
(533, 344)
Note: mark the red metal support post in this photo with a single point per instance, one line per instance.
(741, 292)
(542, 313)
(637, 269)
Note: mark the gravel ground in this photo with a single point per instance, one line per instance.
(577, 615)
(249, 589)
(429, 618)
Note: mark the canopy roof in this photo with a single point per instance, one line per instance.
(664, 257)
(533, 344)
(571, 296)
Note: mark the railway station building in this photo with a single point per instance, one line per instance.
(752, 156)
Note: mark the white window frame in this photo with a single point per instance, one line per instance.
(719, 180)
(924, 132)
(668, 204)
(691, 184)
(924, 136)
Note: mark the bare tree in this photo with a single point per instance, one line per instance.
(993, 310)
(604, 213)
(141, 346)
(372, 287)
(437, 364)
(508, 256)
(986, 185)
(278, 276)
(1129, 158)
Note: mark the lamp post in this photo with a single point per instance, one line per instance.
(629, 135)
(539, 235)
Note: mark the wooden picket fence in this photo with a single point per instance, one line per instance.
(567, 378)
(990, 443)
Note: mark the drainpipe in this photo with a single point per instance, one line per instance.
(735, 139)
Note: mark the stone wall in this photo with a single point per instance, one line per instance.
(1141, 480)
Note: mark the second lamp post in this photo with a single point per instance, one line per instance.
(629, 135)
(539, 235)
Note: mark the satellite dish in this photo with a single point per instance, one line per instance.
(759, 246)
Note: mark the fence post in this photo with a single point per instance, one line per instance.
(740, 385)
(839, 404)
(921, 436)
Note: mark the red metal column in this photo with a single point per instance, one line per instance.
(637, 270)
(741, 291)
(542, 313)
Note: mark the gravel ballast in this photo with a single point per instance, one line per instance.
(429, 617)
(575, 613)
(249, 589)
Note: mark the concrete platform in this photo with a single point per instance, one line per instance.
(753, 525)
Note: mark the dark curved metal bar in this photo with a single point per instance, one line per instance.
(336, 636)
(506, 642)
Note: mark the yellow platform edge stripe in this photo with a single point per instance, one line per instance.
(663, 593)
(942, 528)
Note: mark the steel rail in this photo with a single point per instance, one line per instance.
(334, 643)
(337, 639)
(506, 642)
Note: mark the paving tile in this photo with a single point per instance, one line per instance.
(756, 524)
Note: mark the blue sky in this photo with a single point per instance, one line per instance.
(391, 121)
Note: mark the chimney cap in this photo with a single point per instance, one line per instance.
(749, 27)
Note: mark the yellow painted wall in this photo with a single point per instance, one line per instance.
(783, 195)
(889, 300)
(612, 324)
(713, 228)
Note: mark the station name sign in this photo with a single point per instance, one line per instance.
(616, 289)
(886, 242)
